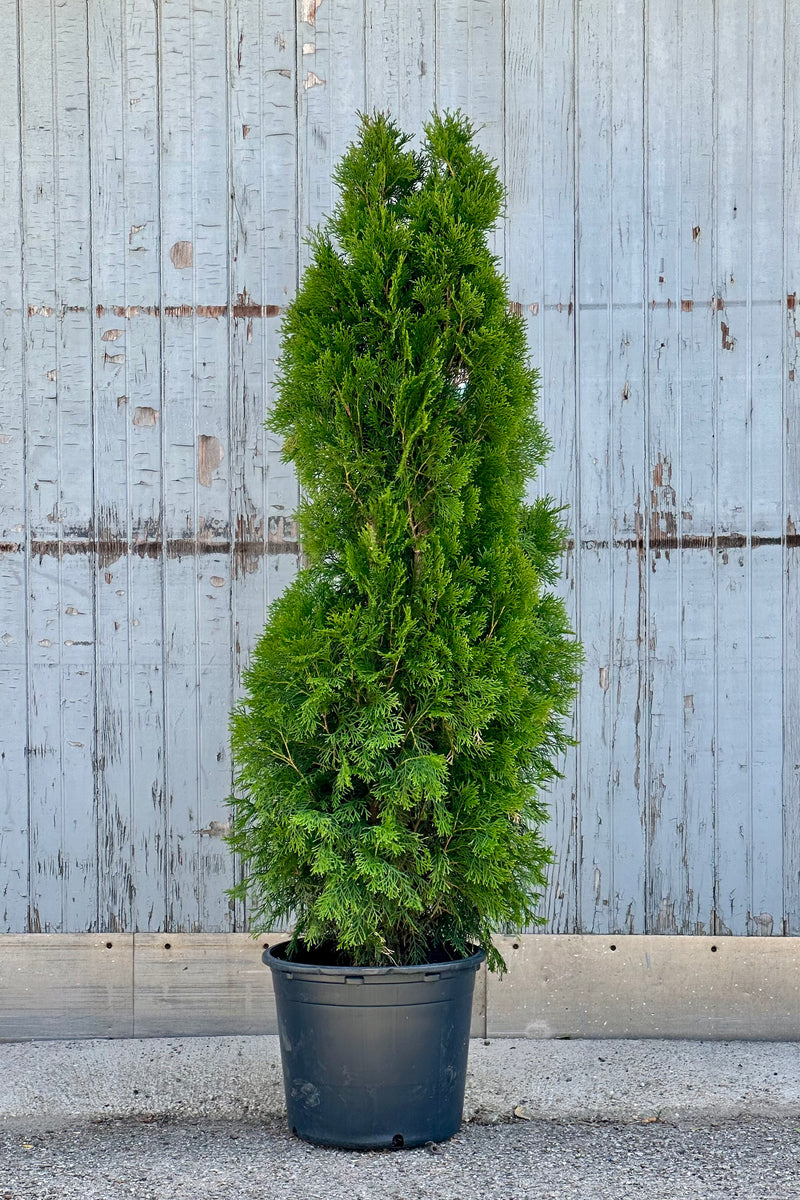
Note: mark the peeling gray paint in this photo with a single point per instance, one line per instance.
(145, 514)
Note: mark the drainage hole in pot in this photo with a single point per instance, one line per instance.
(515, 945)
(398, 1140)
(713, 949)
(612, 947)
(109, 945)
(167, 945)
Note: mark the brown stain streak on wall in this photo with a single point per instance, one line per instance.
(241, 311)
(668, 541)
(281, 539)
(109, 549)
(728, 343)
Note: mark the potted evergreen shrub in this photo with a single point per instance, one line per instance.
(403, 708)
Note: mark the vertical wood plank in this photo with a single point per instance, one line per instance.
(113, 410)
(628, 403)
(667, 886)
(263, 275)
(280, 217)
(251, 29)
(698, 723)
(400, 51)
(538, 236)
(790, 515)
(523, 140)
(733, 91)
(144, 417)
(765, 170)
(521, 223)
(470, 68)
(14, 848)
(555, 82)
(180, 433)
(696, 471)
(78, 868)
(596, 886)
(12, 325)
(331, 90)
(212, 210)
(59, 489)
(41, 480)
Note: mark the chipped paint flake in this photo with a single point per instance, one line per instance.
(311, 80)
(111, 335)
(216, 829)
(308, 11)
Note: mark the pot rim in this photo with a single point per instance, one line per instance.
(276, 963)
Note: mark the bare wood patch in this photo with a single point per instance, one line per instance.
(209, 456)
(144, 416)
(308, 11)
(182, 255)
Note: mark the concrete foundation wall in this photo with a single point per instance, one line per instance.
(557, 986)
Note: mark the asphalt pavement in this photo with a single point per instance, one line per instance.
(182, 1119)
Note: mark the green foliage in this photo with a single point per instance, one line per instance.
(404, 706)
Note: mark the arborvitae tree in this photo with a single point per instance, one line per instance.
(404, 706)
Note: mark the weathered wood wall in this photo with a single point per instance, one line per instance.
(159, 164)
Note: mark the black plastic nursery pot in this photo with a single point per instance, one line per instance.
(373, 1057)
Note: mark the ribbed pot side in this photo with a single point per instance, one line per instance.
(373, 1057)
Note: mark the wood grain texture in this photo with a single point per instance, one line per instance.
(160, 166)
(66, 986)
(646, 987)
(202, 984)
(183, 985)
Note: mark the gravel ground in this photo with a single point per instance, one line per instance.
(106, 1159)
